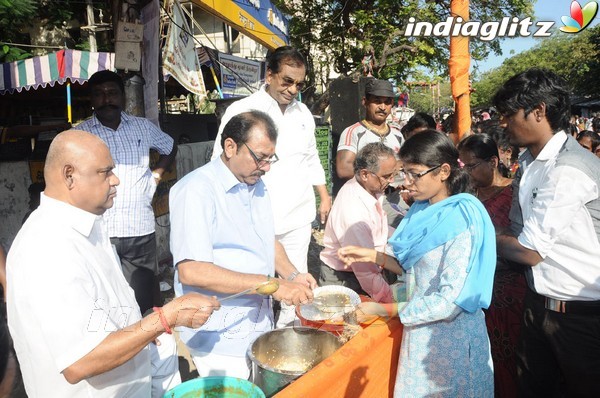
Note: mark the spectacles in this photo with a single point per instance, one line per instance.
(415, 176)
(261, 162)
(471, 167)
(288, 82)
(388, 178)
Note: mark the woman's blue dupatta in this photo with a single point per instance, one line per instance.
(426, 227)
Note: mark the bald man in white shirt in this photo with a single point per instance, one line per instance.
(76, 326)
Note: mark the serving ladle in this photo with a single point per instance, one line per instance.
(265, 288)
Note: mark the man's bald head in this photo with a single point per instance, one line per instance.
(70, 147)
(78, 171)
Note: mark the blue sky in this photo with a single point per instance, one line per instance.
(545, 10)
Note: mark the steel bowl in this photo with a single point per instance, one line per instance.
(280, 356)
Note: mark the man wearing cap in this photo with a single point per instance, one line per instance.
(378, 101)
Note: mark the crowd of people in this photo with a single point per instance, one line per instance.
(497, 238)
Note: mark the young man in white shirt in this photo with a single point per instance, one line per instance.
(558, 196)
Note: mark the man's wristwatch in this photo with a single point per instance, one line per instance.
(293, 276)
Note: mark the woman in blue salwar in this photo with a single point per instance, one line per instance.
(447, 241)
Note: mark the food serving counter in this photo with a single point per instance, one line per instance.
(363, 367)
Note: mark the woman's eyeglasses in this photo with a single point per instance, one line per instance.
(415, 176)
(471, 167)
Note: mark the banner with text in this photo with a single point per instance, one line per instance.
(179, 57)
(239, 76)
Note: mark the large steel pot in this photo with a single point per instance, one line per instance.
(280, 356)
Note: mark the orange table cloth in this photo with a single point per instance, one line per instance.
(363, 367)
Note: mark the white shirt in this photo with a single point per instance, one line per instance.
(290, 181)
(558, 226)
(355, 137)
(67, 293)
(132, 213)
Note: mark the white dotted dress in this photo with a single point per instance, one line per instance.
(445, 351)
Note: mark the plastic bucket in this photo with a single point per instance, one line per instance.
(216, 387)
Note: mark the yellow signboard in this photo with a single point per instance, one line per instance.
(266, 26)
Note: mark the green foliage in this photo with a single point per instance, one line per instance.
(423, 100)
(17, 15)
(10, 54)
(575, 57)
(336, 34)
(14, 13)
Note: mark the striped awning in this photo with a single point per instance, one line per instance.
(76, 66)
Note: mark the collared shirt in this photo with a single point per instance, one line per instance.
(355, 137)
(130, 144)
(357, 218)
(558, 226)
(67, 294)
(290, 181)
(217, 219)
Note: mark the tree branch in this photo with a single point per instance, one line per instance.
(387, 51)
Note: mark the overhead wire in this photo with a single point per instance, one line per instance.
(32, 45)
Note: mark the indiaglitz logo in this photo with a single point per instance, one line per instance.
(485, 31)
(580, 17)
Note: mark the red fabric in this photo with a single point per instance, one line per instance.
(503, 318)
(60, 62)
(498, 207)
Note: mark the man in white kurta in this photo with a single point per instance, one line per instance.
(76, 326)
(291, 180)
(68, 294)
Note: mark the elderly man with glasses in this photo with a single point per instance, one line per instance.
(378, 102)
(292, 181)
(358, 219)
(223, 242)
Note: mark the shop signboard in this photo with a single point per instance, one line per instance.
(239, 76)
(258, 19)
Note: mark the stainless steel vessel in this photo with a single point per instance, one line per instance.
(280, 356)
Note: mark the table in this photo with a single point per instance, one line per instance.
(363, 367)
